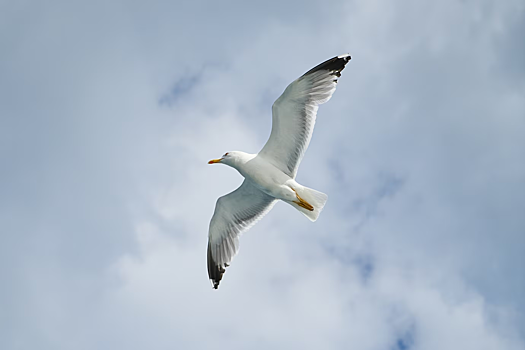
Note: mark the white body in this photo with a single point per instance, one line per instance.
(274, 182)
(265, 176)
(271, 180)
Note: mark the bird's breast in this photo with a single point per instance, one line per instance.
(265, 176)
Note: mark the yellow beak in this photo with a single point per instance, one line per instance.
(214, 161)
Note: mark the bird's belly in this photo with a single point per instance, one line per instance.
(270, 180)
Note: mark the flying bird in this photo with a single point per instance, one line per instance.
(269, 176)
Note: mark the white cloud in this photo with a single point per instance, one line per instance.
(110, 112)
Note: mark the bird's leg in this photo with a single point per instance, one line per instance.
(301, 202)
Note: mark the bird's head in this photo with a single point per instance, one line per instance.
(228, 158)
(235, 159)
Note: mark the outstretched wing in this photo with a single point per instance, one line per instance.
(234, 213)
(294, 114)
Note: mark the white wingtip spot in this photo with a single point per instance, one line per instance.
(344, 56)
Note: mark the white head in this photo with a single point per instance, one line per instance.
(229, 158)
(233, 159)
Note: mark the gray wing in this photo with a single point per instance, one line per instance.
(234, 213)
(294, 114)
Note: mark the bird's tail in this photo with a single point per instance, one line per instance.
(309, 202)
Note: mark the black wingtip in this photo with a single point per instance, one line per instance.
(334, 65)
(215, 271)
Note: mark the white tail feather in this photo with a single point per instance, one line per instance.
(315, 198)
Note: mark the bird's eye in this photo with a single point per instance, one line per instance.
(225, 154)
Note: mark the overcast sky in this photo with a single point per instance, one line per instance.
(109, 112)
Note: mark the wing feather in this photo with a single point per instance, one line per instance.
(294, 114)
(234, 213)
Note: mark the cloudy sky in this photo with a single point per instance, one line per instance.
(109, 112)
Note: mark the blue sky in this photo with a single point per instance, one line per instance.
(109, 113)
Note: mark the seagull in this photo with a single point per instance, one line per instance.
(269, 176)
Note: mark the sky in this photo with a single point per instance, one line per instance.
(110, 110)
